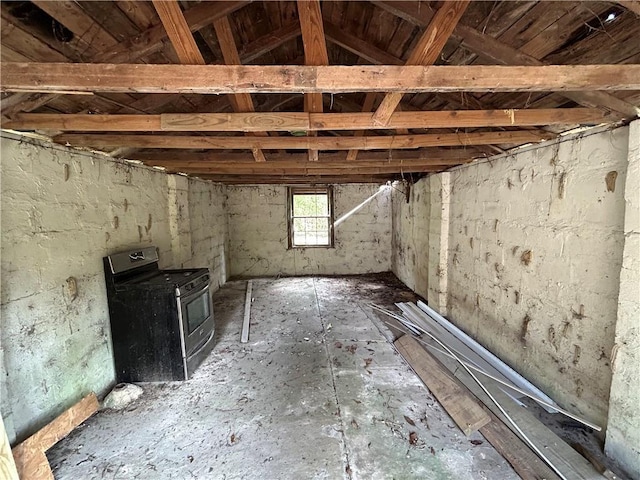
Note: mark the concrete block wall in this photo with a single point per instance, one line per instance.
(623, 434)
(209, 230)
(258, 233)
(62, 211)
(535, 249)
(420, 236)
(541, 266)
(410, 242)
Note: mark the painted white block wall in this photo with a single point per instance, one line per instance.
(208, 230)
(411, 224)
(420, 237)
(258, 233)
(535, 249)
(623, 432)
(62, 211)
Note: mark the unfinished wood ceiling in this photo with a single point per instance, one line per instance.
(315, 92)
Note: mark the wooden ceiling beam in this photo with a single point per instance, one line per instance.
(426, 51)
(219, 79)
(300, 143)
(241, 102)
(252, 169)
(488, 47)
(188, 52)
(496, 51)
(296, 179)
(315, 51)
(439, 156)
(287, 122)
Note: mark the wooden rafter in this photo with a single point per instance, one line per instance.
(151, 40)
(189, 54)
(269, 42)
(631, 5)
(315, 51)
(241, 102)
(178, 32)
(287, 122)
(362, 48)
(487, 47)
(426, 51)
(496, 51)
(146, 43)
(301, 143)
(217, 79)
(70, 14)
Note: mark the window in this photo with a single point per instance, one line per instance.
(310, 217)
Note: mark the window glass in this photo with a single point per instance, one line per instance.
(310, 217)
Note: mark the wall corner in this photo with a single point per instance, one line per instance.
(623, 436)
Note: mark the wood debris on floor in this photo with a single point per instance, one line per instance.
(30, 455)
(447, 360)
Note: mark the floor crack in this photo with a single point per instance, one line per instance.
(347, 465)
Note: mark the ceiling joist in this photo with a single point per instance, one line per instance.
(299, 121)
(430, 156)
(301, 143)
(510, 71)
(225, 79)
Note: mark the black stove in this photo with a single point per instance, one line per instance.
(161, 320)
(168, 278)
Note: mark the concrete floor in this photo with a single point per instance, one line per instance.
(317, 393)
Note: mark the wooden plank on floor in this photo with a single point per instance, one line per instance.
(29, 456)
(570, 463)
(458, 402)
(523, 460)
(247, 313)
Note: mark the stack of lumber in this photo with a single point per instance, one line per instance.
(481, 393)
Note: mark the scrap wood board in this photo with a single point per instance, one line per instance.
(523, 460)
(7, 465)
(30, 458)
(247, 313)
(456, 400)
(572, 465)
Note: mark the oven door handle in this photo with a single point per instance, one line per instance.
(186, 298)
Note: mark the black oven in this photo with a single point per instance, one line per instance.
(162, 324)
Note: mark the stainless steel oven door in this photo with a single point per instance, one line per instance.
(195, 312)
